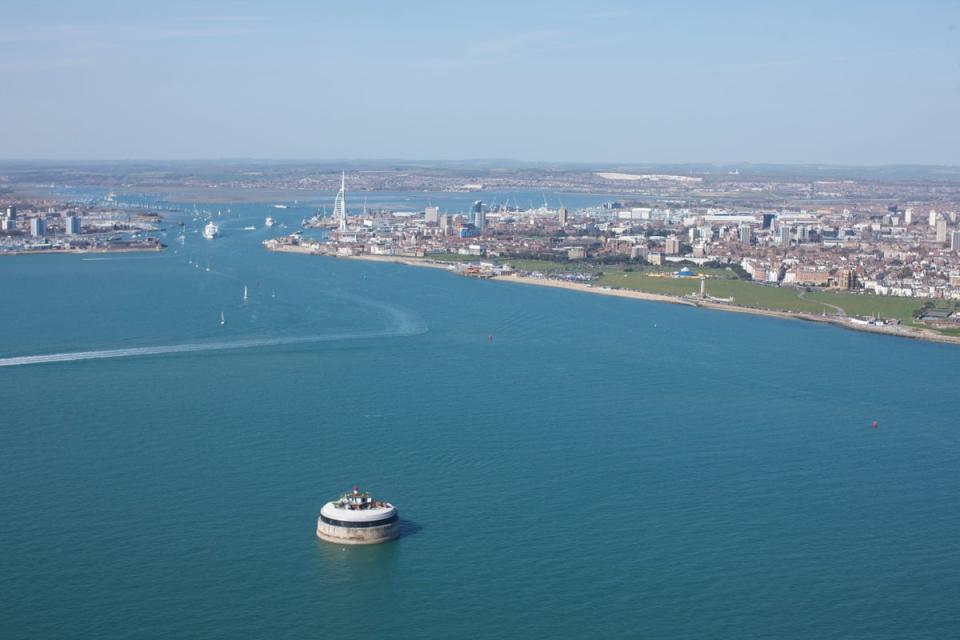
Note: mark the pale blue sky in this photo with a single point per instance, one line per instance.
(861, 83)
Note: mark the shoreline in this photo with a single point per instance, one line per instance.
(47, 252)
(899, 331)
(410, 262)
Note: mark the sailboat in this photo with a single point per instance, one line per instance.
(223, 320)
(245, 293)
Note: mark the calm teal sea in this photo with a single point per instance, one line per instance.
(601, 468)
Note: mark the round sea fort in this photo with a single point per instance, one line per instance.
(356, 518)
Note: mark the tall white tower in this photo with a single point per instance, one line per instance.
(340, 204)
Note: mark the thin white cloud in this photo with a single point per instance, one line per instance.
(181, 29)
(162, 33)
(19, 65)
(513, 44)
(245, 19)
(611, 14)
(55, 33)
(64, 46)
(814, 60)
(505, 48)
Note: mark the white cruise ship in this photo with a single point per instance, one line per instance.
(269, 221)
(211, 231)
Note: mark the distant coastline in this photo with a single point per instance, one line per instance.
(898, 330)
(47, 252)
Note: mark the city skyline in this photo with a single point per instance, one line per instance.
(863, 84)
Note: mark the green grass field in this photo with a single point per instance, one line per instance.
(724, 284)
(543, 266)
(760, 296)
(549, 266)
(452, 257)
(744, 293)
(867, 304)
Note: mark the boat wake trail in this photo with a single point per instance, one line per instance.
(405, 324)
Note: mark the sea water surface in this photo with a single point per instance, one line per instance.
(566, 465)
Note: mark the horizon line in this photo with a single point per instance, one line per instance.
(580, 163)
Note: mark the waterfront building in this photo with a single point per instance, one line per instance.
(811, 277)
(9, 224)
(933, 217)
(479, 217)
(746, 234)
(12, 212)
(563, 216)
(38, 227)
(955, 241)
(431, 215)
(71, 225)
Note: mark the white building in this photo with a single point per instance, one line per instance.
(38, 227)
(71, 225)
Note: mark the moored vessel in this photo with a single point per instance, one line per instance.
(357, 518)
(211, 231)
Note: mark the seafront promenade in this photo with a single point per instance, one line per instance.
(45, 252)
(901, 331)
(846, 323)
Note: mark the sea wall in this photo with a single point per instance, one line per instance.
(358, 535)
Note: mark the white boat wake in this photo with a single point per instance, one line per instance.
(405, 324)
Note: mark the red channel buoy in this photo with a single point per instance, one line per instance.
(874, 424)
